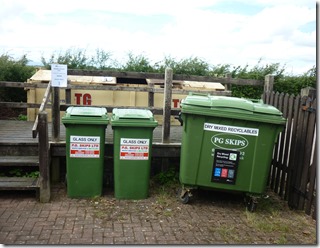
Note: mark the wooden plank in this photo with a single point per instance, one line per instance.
(293, 148)
(19, 183)
(167, 106)
(282, 108)
(22, 85)
(300, 156)
(180, 77)
(311, 195)
(12, 84)
(55, 114)
(268, 83)
(289, 113)
(296, 167)
(272, 97)
(19, 105)
(44, 159)
(275, 149)
(19, 161)
(68, 96)
(120, 74)
(42, 108)
(310, 133)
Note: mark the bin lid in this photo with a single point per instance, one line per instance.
(85, 115)
(133, 117)
(232, 107)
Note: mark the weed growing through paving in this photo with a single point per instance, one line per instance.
(164, 186)
(274, 219)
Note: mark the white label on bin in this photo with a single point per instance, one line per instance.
(84, 146)
(231, 129)
(134, 149)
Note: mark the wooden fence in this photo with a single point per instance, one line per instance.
(293, 171)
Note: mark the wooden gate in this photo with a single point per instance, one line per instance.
(293, 171)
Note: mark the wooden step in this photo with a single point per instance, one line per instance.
(19, 183)
(19, 161)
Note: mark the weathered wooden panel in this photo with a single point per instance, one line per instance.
(19, 161)
(19, 183)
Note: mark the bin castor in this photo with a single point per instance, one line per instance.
(252, 204)
(184, 195)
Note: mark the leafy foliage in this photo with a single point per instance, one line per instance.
(167, 177)
(294, 84)
(14, 71)
(258, 72)
(137, 63)
(188, 66)
(17, 70)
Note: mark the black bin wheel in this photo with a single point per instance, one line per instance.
(183, 198)
(252, 205)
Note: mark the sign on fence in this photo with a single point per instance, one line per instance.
(59, 75)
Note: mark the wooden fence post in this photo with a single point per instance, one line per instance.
(68, 94)
(167, 105)
(268, 83)
(151, 95)
(44, 193)
(55, 113)
(228, 86)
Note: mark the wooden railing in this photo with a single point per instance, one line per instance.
(40, 129)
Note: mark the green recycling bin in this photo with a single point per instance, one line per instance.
(227, 144)
(85, 140)
(132, 137)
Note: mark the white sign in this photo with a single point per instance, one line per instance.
(59, 75)
(134, 149)
(231, 129)
(84, 146)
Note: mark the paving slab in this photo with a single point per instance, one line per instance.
(211, 218)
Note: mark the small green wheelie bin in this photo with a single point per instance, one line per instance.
(132, 137)
(85, 141)
(227, 145)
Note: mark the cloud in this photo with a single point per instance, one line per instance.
(273, 30)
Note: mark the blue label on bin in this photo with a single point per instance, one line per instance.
(225, 166)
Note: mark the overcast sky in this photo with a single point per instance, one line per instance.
(216, 31)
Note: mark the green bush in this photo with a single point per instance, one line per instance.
(14, 71)
(17, 70)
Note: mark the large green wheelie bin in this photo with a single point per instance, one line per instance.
(227, 144)
(85, 141)
(132, 137)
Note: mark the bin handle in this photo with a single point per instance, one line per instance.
(199, 94)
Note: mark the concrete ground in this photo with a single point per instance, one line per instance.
(209, 218)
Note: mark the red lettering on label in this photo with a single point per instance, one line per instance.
(176, 103)
(86, 99)
(78, 98)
